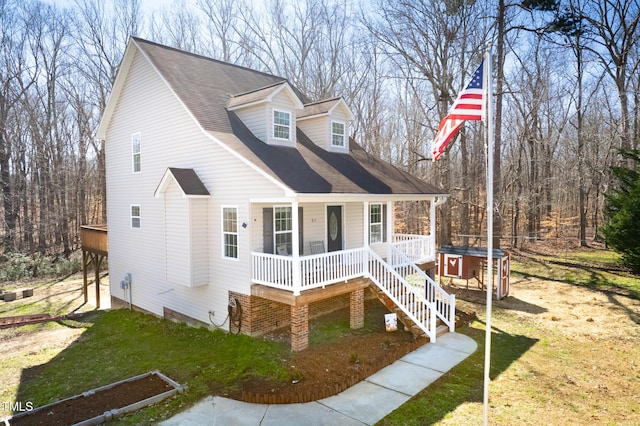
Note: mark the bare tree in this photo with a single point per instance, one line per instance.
(102, 37)
(616, 34)
(179, 26)
(429, 42)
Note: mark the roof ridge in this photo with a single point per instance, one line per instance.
(335, 98)
(219, 61)
(268, 86)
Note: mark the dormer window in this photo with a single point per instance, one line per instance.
(281, 125)
(337, 134)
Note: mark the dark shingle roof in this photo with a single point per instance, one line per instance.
(317, 108)
(472, 251)
(188, 181)
(207, 86)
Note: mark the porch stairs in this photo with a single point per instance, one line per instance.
(405, 319)
(420, 304)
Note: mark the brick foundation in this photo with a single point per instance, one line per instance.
(356, 309)
(299, 327)
(260, 316)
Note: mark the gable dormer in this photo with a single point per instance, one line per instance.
(269, 112)
(327, 124)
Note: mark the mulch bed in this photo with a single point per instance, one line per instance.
(331, 367)
(83, 407)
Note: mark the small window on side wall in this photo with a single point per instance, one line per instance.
(135, 153)
(337, 134)
(135, 217)
(230, 232)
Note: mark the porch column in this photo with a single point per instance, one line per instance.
(389, 219)
(432, 219)
(299, 328)
(433, 203)
(356, 309)
(365, 235)
(295, 248)
(365, 223)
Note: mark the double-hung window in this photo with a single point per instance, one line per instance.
(281, 125)
(337, 134)
(283, 230)
(375, 223)
(135, 216)
(136, 164)
(230, 232)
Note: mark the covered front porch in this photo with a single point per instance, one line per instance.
(309, 243)
(313, 251)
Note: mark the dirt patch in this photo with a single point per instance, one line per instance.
(84, 407)
(327, 368)
(584, 368)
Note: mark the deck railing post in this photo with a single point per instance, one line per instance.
(452, 312)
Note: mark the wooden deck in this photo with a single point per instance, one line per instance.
(94, 239)
(94, 249)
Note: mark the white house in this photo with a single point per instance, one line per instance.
(230, 193)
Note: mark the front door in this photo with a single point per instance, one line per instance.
(334, 228)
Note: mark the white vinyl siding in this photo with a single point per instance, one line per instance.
(321, 131)
(176, 230)
(256, 120)
(147, 105)
(281, 104)
(136, 154)
(185, 230)
(353, 228)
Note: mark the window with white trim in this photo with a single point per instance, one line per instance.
(135, 216)
(136, 165)
(283, 230)
(375, 223)
(337, 134)
(230, 232)
(281, 125)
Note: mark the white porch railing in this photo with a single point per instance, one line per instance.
(443, 302)
(404, 295)
(315, 271)
(418, 248)
(399, 278)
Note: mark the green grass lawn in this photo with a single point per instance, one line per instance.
(585, 267)
(522, 350)
(120, 344)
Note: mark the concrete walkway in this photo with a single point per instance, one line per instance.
(363, 404)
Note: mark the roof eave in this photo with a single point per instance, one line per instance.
(123, 68)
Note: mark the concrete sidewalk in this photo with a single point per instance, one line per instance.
(363, 404)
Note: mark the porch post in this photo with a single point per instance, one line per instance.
(432, 223)
(365, 223)
(365, 235)
(390, 227)
(295, 248)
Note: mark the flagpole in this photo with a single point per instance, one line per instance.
(489, 286)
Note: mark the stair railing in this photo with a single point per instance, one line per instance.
(444, 303)
(403, 294)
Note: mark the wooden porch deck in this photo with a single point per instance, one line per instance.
(94, 249)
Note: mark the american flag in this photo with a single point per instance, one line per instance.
(468, 106)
